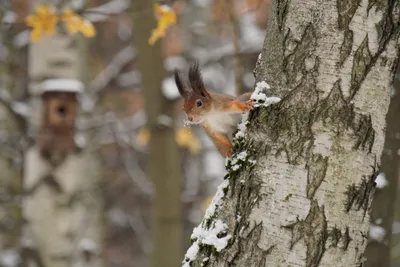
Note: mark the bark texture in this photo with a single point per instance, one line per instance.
(63, 202)
(299, 186)
(163, 161)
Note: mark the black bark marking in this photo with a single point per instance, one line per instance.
(316, 168)
(346, 46)
(257, 257)
(303, 100)
(363, 59)
(361, 64)
(294, 63)
(360, 196)
(282, 7)
(379, 4)
(313, 230)
(335, 111)
(365, 133)
(385, 27)
(337, 238)
(346, 10)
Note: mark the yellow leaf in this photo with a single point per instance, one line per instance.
(143, 136)
(166, 17)
(184, 138)
(72, 20)
(75, 23)
(36, 35)
(44, 20)
(88, 29)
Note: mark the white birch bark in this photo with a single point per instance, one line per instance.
(300, 184)
(63, 203)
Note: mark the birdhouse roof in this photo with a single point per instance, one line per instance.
(62, 85)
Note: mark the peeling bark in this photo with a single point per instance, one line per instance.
(308, 178)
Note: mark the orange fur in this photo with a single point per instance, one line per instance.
(217, 114)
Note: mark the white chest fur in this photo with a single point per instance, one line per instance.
(223, 122)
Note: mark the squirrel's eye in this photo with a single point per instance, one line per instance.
(199, 103)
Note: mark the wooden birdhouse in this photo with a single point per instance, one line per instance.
(60, 108)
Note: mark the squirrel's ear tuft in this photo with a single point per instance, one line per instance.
(179, 84)
(196, 80)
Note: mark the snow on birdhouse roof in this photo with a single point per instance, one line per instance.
(62, 85)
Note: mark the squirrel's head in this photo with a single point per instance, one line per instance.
(197, 101)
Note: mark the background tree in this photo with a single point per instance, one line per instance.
(163, 159)
(13, 137)
(62, 173)
(299, 187)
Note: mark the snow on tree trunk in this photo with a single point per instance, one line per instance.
(63, 202)
(299, 186)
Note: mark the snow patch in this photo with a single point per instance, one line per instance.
(236, 162)
(209, 235)
(376, 232)
(9, 258)
(88, 245)
(242, 126)
(381, 181)
(62, 85)
(169, 89)
(9, 17)
(22, 108)
(80, 140)
(217, 200)
(174, 62)
(164, 120)
(260, 98)
(202, 236)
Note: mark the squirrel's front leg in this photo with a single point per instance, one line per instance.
(241, 106)
(220, 140)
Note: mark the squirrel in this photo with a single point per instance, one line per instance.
(217, 114)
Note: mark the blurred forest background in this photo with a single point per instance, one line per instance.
(130, 177)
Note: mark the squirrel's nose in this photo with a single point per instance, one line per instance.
(190, 118)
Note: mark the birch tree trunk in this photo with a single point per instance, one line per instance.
(63, 202)
(299, 186)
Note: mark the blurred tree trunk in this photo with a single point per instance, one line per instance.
(300, 190)
(11, 138)
(382, 216)
(163, 161)
(63, 202)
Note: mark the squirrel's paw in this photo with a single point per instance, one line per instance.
(249, 105)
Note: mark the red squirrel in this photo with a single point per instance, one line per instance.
(217, 114)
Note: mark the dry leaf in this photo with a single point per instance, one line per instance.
(143, 136)
(75, 23)
(184, 138)
(166, 17)
(43, 21)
